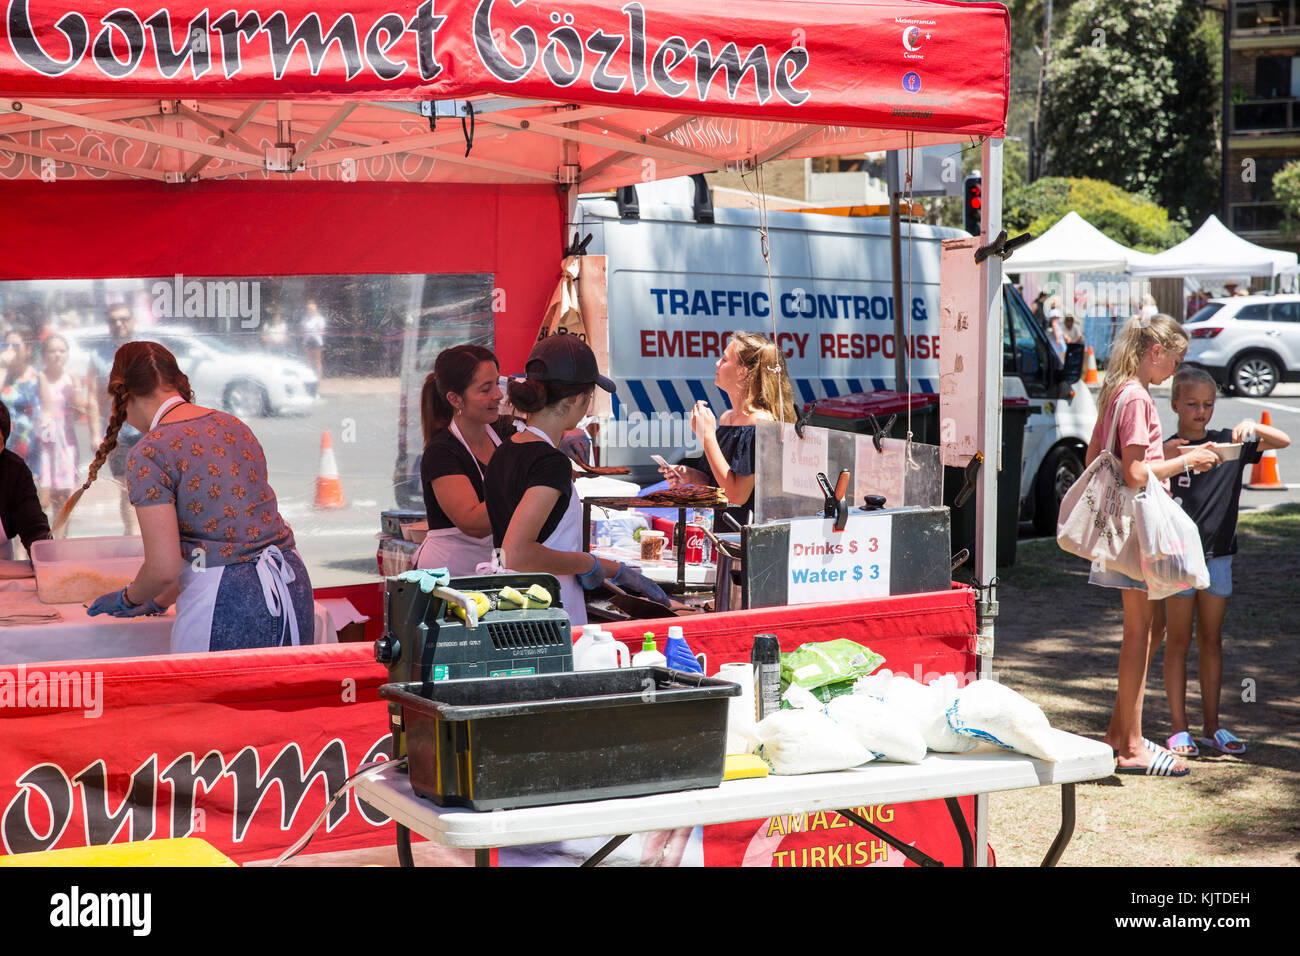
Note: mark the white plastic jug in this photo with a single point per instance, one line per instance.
(597, 650)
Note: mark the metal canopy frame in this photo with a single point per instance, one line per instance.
(218, 133)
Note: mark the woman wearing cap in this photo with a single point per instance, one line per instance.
(532, 505)
(211, 526)
(460, 412)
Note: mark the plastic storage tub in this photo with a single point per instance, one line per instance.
(500, 743)
(77, 570)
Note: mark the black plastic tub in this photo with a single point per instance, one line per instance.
(498, 743)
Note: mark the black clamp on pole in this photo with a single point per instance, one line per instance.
(577, 248)
(968, 487)
(1002, 247)
(986, 602)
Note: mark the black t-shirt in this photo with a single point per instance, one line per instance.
(444, 456)
(20, 507)
(1211, 497)
(518, 466)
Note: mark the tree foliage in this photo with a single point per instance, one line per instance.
(1286, 189)
(1130, 220)
(1133, 100)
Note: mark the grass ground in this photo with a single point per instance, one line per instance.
(1058, 644)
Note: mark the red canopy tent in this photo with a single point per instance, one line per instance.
(138, 140)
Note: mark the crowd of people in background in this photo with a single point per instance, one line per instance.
(45, 400)
(48, 394)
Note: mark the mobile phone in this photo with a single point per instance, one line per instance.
(674, 469)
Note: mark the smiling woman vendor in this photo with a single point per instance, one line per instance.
(459, 410)
(753, 374)
(209, 519)
(534, 509)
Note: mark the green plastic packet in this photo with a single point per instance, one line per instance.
(828, 669)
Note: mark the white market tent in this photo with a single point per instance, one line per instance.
(1075, 245)
(1214, 250)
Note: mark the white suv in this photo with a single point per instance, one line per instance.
(1248, 343)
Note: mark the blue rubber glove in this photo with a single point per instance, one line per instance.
(112, 603)
(630, 579)
(149, 608)
(594, 577)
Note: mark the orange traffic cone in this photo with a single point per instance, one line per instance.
(1263, 474)
(1090, 370)
(329, 490)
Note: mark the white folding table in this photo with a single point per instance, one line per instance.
(79, 636)
(939, 776)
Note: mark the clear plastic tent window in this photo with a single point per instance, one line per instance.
(785, 485)
(296, 357)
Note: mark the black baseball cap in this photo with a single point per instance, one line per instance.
(567, 360)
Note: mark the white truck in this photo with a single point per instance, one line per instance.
(682, 276)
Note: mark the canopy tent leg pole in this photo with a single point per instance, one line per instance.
(990, 431)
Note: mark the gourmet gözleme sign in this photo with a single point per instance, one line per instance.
(162, 42)
(837, 64)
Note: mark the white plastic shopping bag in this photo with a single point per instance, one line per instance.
(1096, 518)
(1172, 559)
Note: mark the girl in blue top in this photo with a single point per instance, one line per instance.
(752, 372)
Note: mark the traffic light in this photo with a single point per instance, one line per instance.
(972, 204)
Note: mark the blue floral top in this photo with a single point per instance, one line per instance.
(23, 398)
(213, 470)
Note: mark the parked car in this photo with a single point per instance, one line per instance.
(247, 382)
(1247, 343)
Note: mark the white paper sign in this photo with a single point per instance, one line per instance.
(826, 565)
(801, 461)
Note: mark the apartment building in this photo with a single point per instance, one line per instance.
(1262, 125)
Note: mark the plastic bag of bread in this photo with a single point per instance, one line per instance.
(987, 710)
(807, 741)
(878, 727)
(927, 707)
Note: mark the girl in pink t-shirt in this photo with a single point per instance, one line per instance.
(1146, 353)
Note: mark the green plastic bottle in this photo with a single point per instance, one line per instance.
(649, 655)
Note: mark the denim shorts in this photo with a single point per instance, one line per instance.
(1110, 578)
(1220, 578)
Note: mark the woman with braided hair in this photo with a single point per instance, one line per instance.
(214, 539)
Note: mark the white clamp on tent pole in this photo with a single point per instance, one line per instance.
(989, 427)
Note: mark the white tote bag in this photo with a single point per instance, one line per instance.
(1170, 545)
(1096, 519)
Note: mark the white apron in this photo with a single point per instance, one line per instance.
(567, 536)
(192, 632)
(452, 548)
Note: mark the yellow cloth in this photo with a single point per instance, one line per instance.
(187, 851)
